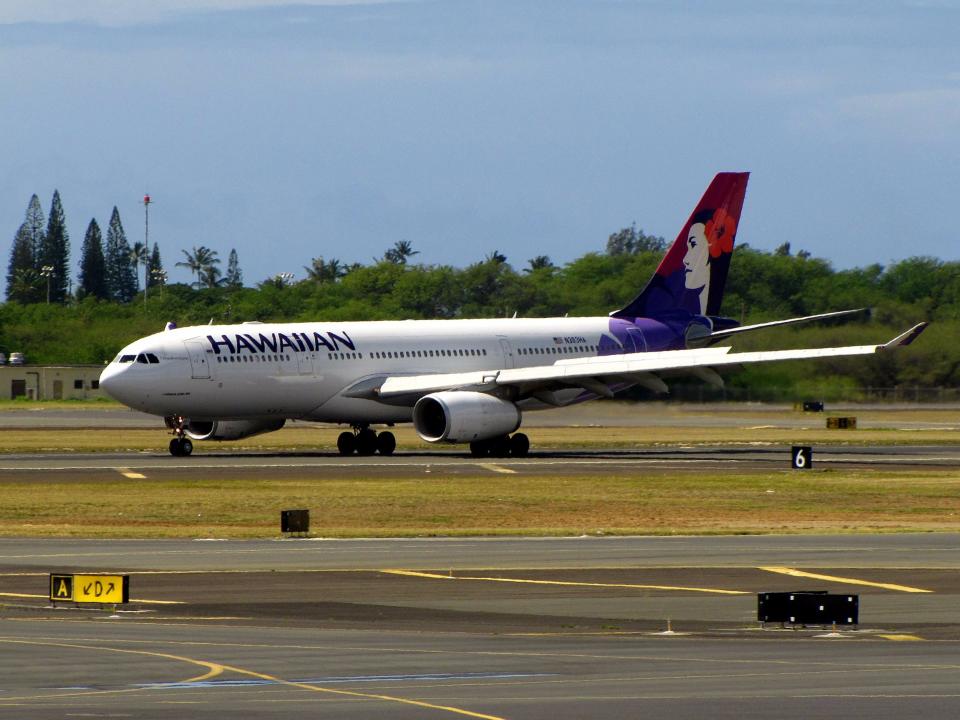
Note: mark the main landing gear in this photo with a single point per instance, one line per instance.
(365, 441)
(516, 445)
(181, 445)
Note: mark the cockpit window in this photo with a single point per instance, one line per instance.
(152, 358)
(127, 358)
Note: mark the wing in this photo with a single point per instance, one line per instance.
(598, 374)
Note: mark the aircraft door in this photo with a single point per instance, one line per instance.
(305, 363)
(199, 365)
(508, 360)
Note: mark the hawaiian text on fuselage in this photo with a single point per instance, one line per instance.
(278, 342)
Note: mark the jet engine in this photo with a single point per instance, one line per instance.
(463, 416)
(230, 429)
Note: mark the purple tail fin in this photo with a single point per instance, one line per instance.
(692, 274)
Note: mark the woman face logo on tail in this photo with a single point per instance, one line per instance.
(710, 235)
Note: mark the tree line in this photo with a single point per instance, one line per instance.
(90, 327)
(39, 267)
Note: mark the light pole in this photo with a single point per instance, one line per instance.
(47, 272)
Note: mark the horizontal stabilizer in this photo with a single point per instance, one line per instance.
(721, 334)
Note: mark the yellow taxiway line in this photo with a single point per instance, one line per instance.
(435, 576)
(214, 669)
(843, 580)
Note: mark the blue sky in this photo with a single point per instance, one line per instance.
(337, 128)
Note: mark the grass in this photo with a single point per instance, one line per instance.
(420, 504)
(413, 501)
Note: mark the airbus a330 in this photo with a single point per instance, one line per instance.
(457, 381)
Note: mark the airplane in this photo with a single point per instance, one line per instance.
(457, 381)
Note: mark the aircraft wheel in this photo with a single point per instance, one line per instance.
(386, 443)
(366, 442)
(500, 447)
(479, 448)
(346, 443)
(181, 447)
(519, 445)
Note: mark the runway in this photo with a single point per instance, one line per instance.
(478, 627)
(496, 628)
(226, 464)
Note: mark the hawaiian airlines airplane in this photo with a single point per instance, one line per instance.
(458, 381)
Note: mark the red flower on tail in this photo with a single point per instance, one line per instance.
(720, 231)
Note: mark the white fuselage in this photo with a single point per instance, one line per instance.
(317, 370)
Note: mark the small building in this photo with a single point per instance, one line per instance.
(51, 382)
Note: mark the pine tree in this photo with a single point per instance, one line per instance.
(154, 275)
(93, 279)
(234, 277)
(54, 251)
(21, 261)
(34, 220)
(120, 274)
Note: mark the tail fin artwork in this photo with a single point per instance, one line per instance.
(691, 276)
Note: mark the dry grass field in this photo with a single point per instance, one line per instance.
(420, 501)
(188, 505)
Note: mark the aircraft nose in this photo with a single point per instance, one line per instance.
(112, 381)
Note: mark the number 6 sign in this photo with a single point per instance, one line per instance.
(801, 457)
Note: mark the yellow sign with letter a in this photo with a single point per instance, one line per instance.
(105, 589)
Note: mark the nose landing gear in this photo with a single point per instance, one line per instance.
(181, 445)
(365, 441)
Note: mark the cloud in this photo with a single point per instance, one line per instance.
(133, 12)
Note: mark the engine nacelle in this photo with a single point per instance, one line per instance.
(230, 429)
(463, 416)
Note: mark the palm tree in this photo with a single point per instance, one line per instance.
(321, 271)
(400, 252)
(539, 262)
(199, 262)
(140, 255)
(210, 276)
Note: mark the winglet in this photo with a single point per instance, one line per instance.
(905, 338)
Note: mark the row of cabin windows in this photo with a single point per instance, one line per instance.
(557, 350)
(253, 358)
(392, 354)
(460, 352)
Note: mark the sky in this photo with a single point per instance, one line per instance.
(336, 128)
